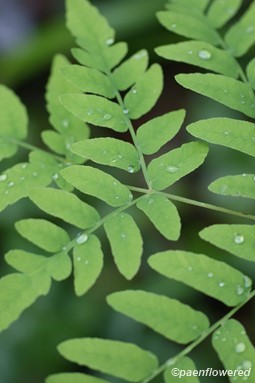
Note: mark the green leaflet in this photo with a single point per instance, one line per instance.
(241, 36)
(163, 214)
(74, 377)
(232, 93)
(157, 132)
(170, 167)
(123, 360)
(235, 350)
(236, 239)
(109, 151)
(234, 134)
(54, 141)
(251, 73)
(88, 263)
(126, 243)
(145, 93)
(130, 70)
(236, 186)
(201, 54)
(189, 5)
(220, 12)
(188, 26)
(185, 364)
(89, 80)
(19, 291)
(13, 122)
(96, 110)
(95, 182)
(156, 311)
(211, 277)
(66, 206)
(43, 234)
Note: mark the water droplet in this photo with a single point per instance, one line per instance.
(221, 284)
(23, 166)
(82, 238)
(190, 52)
(247, 281)
(131, 169)
(22, 178)
(123, 235)
(210, 275)
(239, 290)
(117, 197)
(10, 184)
(64, 248)
(253, 105)
(107, 117)
(134, 90)
(246, 364)
(172, 169)
(238, 239)
(240, 347)
(224, 339)
(225, 91)
(242, 102)
(151, 200)
(250, 29)
(65, 123)
(190, 268)
(109, 41)
(3, 177)
(6, 192)
(115, 183)
(78, 259)
(244, 175)
(35, 174)
(55, 176)
(119, 156)
(114, 160)
(226, 133)
(241, 95)
(90, 112)
(174, 26)
(204, 54)
(86, 262)
(125, 111)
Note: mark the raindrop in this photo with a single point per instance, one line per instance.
(250, 29)
(226, 132)
(78, 259)
(115, 183)
(107, 117)
(210, 275)
(109, 41)
(204, 55)
(90, 112)
(131, 169)
(55, 176)
(24, 166)
(238, 239)
(6, 192)
(194, 327)
(134, 90)
(114, 160)
(117, 197)
(125, 111)
(82, 238)
(10, 184)
(242, 102)
(65, 123)
(151, 200)
(86, 262)
(119, 156)
(247, 281)
(224, 339)
(123, 235)
(240, 347)
(35, 174)
(253, 105)
(3, 177)
(246, 364)
(241, 95)
(22, 178)
(174, 26)
(239, 290)
(172, 169)
(221, 284)
(190, 52)
(244, 175)
(190, 268)
(225, 91)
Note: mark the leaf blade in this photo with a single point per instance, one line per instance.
(235, 186)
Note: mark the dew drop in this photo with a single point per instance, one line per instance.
(86, 262)
(23, 166)
(78, 259)
(221, 284)
(174, 26)
(244, 175)
(55, 176)
(250, 29)
(240, 347)
(107, 117)
(6, 192)
(64, 248)
(226, 133)
(204, 55)
(3, 177)
(35, 174)
(238, 239)
(151, 200)
(90, 112)
(22, 178)
(134, 90)
(242, 102)
(190, 52)
(10, 184)
(225, 91)
(131, 169)
(210, 275)
(224, 339)
(239, 290)
(246, 364)
(109, 41)
(123, 235)
(65, 123)
(247, 281)
(125, 111)
(190, 268)
(114, 160)
(115, 183)
(82, 238)
(172, 169)
(119, 156)
(253, 105)
(117, 197)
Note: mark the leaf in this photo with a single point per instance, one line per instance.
(109, 151)
(220, 12)
(66, 206)
(170, 167)
(184, 366)
(13, 122)
(211, 277)
(54, 141)
(235, 350)
(144, 95)
(236, 239)
(96, 110)
(156, 312)
(188, 26)
(163, 214)
(126, 243)
(74, 377)
(232, 93)
(190, 5)
(129, 72)
(251, 73)
(43, 234)
(235, 186)
(241, 36)
(202, 55)
(234, 134)
(157, 132)
(59, 266)
(95, 182)
(88, 264)
(123, 360)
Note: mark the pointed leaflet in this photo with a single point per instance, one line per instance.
(234, 134)
(220, 12)
(201, 54)
(172, 319)
(123, 360)
(251, 72)
(43, 234)
(236, 239)
(126, 243)
(88, 264)
(185, 364)
(145, 93)
(170, 167)
(157, 132)
(211, 277)
(109, 151)
(235, 350)
(74, 377)
(232, 93)
(241, 36)
(66, 206)
(235, 186)
(96, 110)
(13, 122)
(54, 141)
(163, 214)
(95, 182)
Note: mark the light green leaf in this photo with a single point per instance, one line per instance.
(234, 134)
(241, 36)
(13, 122)
(74, 377)
(201, 54)
(211, 277)
(130, 70)
(163, 214)
(43, 234)
(251, 72)
(109, 151)
(96, 110)
(170, 167)
(156, 311)
(157, 132)
(59, 266)
(185, 365)
(54, 141)
(236, 239)
(123, 360)
(145, 93)
(235, 186)
(89, 80)
(221, 11)
(232, 93)
(188, 26)
(126, 243)
(95, 182)
(88, 263)
(235, 350)
(66, 206)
